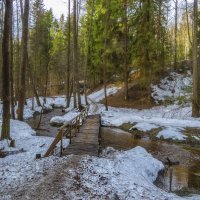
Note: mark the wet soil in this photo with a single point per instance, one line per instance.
(137, 99)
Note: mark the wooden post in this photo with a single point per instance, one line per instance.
(70, 134)
(170, 178)
(61, 144)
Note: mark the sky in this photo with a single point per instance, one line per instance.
(59, 7)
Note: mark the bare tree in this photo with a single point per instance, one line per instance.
(126, 49)
(12, 99)
(5, 133)
(196, 70)
(175, 34)
(68, 55)
(24, 62)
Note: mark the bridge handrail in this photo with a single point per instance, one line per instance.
(66, 130)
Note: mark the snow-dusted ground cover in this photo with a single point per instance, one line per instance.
(26, 139)
(123, 175)
(172, 87)
(172, 133)
(20, 166)
(115, 175)
(143, 126)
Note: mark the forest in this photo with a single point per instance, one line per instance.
(102, 102)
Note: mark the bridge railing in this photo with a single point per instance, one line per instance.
(68, 130)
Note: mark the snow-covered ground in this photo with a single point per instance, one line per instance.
(123, 175)
(172, 86)
(51, 102)
(116, 175)
(173, 119)
(99, 95)
(20, 166)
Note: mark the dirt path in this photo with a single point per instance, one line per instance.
(59, 182)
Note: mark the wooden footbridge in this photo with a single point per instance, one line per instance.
(84, 134)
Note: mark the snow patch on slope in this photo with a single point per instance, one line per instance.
(144, 126)
(99, 95)
(171, 133)
(171, 86)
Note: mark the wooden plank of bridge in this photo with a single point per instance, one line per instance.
(86, 141)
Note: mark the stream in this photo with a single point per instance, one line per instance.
(185, 175)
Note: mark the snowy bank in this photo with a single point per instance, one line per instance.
(172, 86)
(122, 175)
(60, 120)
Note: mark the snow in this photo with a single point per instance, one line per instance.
(159, 116)
(117, 174)
(171, 133)
(144, 126)
(95, 96)
(123, 175)
(25, 139)
(60, 120)
(196, 138)
(56, 102)
(99, 95)
(172, 86)
(20, 166)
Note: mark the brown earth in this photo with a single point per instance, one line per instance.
(138, 98)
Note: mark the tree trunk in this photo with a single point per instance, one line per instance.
(74, 56)
(196, 71)
(188, 24)
(12, 99)
(22, 89)
(5, 132)
(18, 56)
(126, 51)
(175, 34)
(77, 57)
(34, 87)
(107, 17)
(88, 46)
(68, 56)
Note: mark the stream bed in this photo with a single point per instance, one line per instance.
(45, 129)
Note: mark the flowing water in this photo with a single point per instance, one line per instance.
(185, 172)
